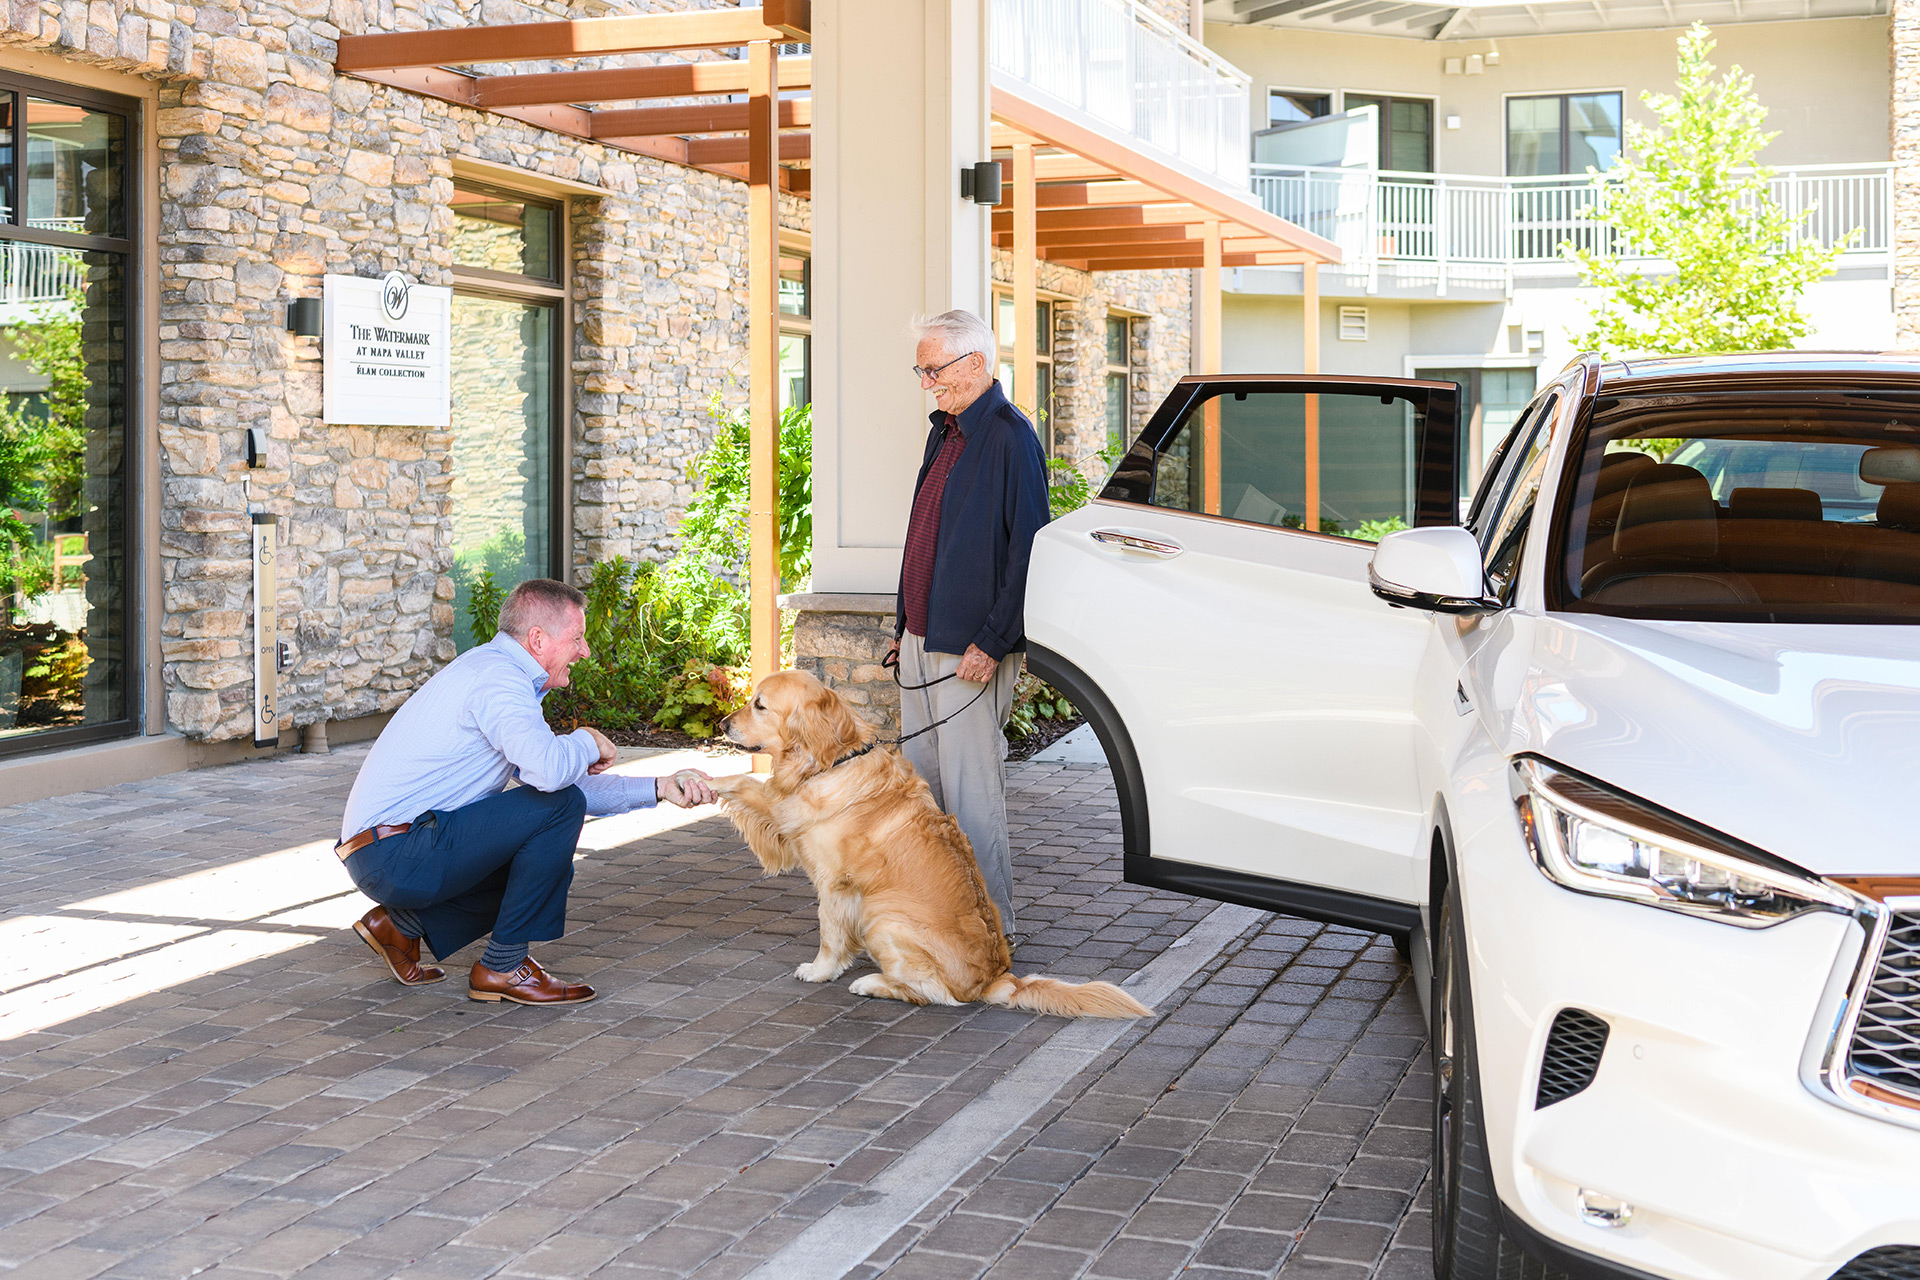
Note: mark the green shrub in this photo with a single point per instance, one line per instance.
(1374, 530)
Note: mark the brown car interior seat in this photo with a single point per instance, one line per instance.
(1666, 544)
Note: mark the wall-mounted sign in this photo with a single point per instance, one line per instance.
(385, 353)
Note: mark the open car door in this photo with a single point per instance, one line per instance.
(1255, 698)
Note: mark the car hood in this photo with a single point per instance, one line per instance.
(1802, 740)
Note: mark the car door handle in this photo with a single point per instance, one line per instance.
(1125, 541)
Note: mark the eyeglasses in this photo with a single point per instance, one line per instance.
(918, 372)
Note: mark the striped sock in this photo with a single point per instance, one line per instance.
(503, 957)
(406, 922)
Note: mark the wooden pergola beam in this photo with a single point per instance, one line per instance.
(739, 149)
(1124, 215)
(580, 37)
(700, 117)
(622, 84)
(1070, 169)
(1091, 194)
(1156, 262)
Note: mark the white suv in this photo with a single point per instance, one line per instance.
(1619, 763)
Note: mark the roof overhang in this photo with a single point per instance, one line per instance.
(616, 106)
(1105, 206)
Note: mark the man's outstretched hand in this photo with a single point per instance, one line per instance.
(687, 788)
(608, 752)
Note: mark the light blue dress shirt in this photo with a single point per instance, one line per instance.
(469, 731)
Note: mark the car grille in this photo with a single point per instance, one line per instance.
(1886, 1040)
(1890, 1262)
(1574, 1045)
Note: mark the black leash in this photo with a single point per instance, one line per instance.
(892, 663)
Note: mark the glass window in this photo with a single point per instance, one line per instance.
(1119, 381)
(1006, 333)
(1778, 508)
(1503, 531)
(67, 550)
(796, 370)
(1242, 454)
(1490, 403)
(503, 398)
(1406, 131)
(73, 168)
(1284, 106)
(796, 284)
(505, 233)
(1562, 133)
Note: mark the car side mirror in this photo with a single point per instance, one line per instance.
(1436, 568)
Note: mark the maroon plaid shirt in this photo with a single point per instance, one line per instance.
(923, 529)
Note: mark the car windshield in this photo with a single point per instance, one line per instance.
(1777, 508)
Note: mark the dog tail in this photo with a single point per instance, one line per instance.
(1063, 999)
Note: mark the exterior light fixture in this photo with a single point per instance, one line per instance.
(980, 183)
(304, 318)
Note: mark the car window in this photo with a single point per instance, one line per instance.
(1503, 533)
(1788, 507)
(1242, 454)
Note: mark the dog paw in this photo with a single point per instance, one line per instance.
(870, 985)
(815, 971)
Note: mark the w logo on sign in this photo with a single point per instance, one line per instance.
(393, 294)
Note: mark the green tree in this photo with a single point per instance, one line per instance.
(1693, 197)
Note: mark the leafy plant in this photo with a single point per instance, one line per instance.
(1068, 488)
(1374, 530)
(700, 696)
(483, 602)
(42, 444)
(1035, 701)
(1694, 198)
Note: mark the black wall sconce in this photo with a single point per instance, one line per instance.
(980, 183)
(304, 317)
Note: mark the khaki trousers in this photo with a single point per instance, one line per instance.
(965, 760)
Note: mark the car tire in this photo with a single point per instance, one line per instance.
(1468, 1241)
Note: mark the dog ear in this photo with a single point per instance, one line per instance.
(823, 728)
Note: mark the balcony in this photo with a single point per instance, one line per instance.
(35, 274)
(1139, 77)
(1443, 231)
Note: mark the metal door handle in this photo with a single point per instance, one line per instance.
(1136, 542)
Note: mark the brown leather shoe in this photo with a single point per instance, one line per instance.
(400, 953)
(528, 984)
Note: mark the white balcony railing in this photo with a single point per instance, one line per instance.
(40, 272)
(1441, 229)
(1133, 71)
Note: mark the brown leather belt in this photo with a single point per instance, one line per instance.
(346, 848)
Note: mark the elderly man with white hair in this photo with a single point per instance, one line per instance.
(958, 633)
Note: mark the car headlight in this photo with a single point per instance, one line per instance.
(1592, 839)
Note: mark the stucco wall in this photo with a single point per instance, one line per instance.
(1825, 83)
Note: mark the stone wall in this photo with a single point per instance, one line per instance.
(274, 171)
(1161, 346)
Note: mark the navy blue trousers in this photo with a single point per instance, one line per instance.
(501, 865)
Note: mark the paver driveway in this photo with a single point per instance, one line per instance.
(202, 1069)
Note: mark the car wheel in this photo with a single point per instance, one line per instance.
(1468, 1243)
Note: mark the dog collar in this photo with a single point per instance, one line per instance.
(854, 755)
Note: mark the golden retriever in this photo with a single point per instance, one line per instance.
(895, 876)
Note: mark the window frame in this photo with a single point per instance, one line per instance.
(1385, 100)
(1107, 369)
(800, 326)
(1566, 138)
(1008, 355)
(480, 282)
(1332, 97)
(133, 618)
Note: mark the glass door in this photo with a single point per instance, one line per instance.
(506, 350)
(67, 658)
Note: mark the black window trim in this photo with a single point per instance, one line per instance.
(136, 570)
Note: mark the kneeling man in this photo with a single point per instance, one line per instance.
(431, 835)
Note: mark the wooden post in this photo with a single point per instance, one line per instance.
(1026, 292)
(763, 367)
(1210, 362)
(1310, 363)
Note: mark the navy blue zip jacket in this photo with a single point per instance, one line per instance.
(995, 501)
